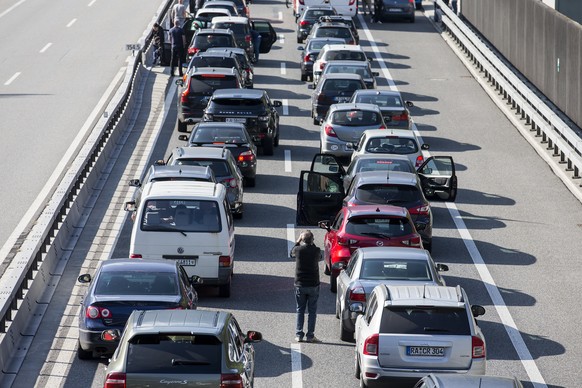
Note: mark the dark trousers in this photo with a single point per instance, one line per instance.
(177, 58)
(306, 297)
(159, 55)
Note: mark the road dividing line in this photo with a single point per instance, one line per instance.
(91, 3)
(283, 69)
(296, 376)
(11, 8)
(12, 78)
(288, 161)
(281, 39)
(280, 15)
(71, 23)
(45, 48)
(285, 103)
(290, 237)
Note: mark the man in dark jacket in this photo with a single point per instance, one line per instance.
(158, 42)
(177, 39)
(307, 256)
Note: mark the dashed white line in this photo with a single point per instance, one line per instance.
(287, 160)
(12, 78)
(281, 39)
(45, 48)
(285, 103)
(71, 22)
(11, 8)
(296, 375)
(290, 237)
(91, 3)
(280, 15)
(283, 69)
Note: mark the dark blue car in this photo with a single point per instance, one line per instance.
(120, 286)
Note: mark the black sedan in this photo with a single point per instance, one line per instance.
(310, 52)
(394, 109)
(235, 137)
(121, 286)
(309, 17)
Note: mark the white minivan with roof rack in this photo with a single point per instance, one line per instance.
(189, 222)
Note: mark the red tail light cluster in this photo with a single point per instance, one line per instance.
(246, 156)
(115, 380)
(329, 131)
(185, 93)
(371, 345)
(478, 347)
(95, 312)
(346, 241)
(400, 117)
(193, 50)
(248, 38)
(382, 126)
(322, 97)
(321, 65)
(357, 294)
(230, 380)
(224, 261)
(230, 182)
(301, 2)
(307, 58)
(135, 256)
(422, 210)
(419, 160)
(351, 2)
(304, 23)
(413, 242)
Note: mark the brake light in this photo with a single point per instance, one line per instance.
(371, 345)
(230, 380)
(351, 42)
(193, 50)
(246, 156)
(307, 58)
(135, 256)
(357, 294)
(224, 261)
(329, 131)
(422, 210)
(382, 126)
(400, 117)
(321, 65)
(230, 182)
(185, 93)
(419, 160)
(346, 242)
(213, 76)
(115, 380)
(303, 23)
(175, 308)
(248, 38)
(301, 2)
(478, 347)
(95, 312)
(322, 97)
(413, 242)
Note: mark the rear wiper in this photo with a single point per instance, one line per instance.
(435, 329)
(169, 228)
(188, 362)
(376, 234)
(393, 201)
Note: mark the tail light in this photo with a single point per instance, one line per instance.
(115, 380)
(351, 41)
(382, 126)
(307, 58)
(230, 380)
(175, 308)
(246, 156)
(400, 117)
(422, 210)
(224, 261)
(321, 65)
(230, 182)
(185, 93)
(264, 118)
(351, 2)
(371, 345)
(329, 131)
(95, 312)
(135, 256)
(193, 50)
(346, 242)
(478, 347)
(303, 23)
(322, 97)
(413, 242)
(248, 38)
(357, 294)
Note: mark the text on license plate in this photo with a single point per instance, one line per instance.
(394, 10)
(236, 120)
(342, 99)
(187, 262)
(430, 351)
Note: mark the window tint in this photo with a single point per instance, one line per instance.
(203, 82)
(236, 28)
(213, 40)
(316, 183)
(314, 14)
(425, 320)
(217, 135)
(389, 269)
(345, 55)
(341, 86)
(380, 100)
(352, 263)
(355, 118)
(175, 354)
(363, 71)
(380, 227)
(339, 219)
(204, 61)
(136, 283)
(383, 165)
(388, 194)
(238, 101)
(334, 32)
(392, 145)
(218, 166)
(181, 216)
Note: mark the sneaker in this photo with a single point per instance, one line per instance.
(298, 338)
(313, 340)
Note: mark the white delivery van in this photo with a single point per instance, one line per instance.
(342, 7)
(186, 221)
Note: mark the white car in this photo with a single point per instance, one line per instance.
(391, 141)
(336, 52)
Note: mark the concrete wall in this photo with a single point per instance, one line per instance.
(570, 8)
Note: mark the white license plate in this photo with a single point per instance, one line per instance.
(394, 10)
(425, 351)
(342, 99)
(236, 120)
(187, 262)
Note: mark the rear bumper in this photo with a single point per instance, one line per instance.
(335, 147)
(90, 340)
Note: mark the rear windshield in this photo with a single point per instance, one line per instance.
(136, 283)
(380, 227)
(318, 44)
(388, 194)
(381, 101)
(212, 62)
(218, 166)
(214, 135)
(315, 14)
(425, 320)
(360, 70)
(334, 32)
(355, 118)
(238, 101)
(389, 269)
(175, 354)
(236, 28)
(392, 145)
(181, 216)
(384, 165)
(345, 55)
(342, 85)
(202, 82)
(203, 42)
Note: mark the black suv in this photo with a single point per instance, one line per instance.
(209, 37)
(195, 92)
(310, 16)
(251, 107)
(243, 58)
(223, 59)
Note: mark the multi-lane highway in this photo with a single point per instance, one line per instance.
(510, 239)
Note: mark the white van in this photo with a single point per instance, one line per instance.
(186, 221)
(342, 7)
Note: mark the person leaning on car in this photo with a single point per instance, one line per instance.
(307, 256)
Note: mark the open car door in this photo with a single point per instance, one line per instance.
(438, 178)
(268, 34)
(327, 164)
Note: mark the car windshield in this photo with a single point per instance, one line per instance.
(341, 86)
(236, 28)
(389, 194)
(318, 44)
(379, 227)
(175, 354)
(217, 135)
(203, 42)
(181, 216)
(202, 82)
(363, 71)
(425, 320)
(345, 55)
(315, 14)
(383, 165)
(136, 283)
(380, 100)
(355, 118)
(206, 61)
(391, 269)
(334, 32)
(392, 145)
(237, 101)
(218, 166)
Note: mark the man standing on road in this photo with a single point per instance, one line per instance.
(307, 256)
(179, 12)
(177, 39)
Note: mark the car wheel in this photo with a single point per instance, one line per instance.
(182, 127)
(268, 145)
(345, 335)
(224, 290)
(299, 40)
(326, 270)
(412, 19)
(251, 182)
(337, 308)
(83, 354)
(303, 77)
(238, 215)
(333, 283)
(428, 245)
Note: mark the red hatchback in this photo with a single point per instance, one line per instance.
(365, 226)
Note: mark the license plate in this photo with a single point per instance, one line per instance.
(187, 262)
(425, 351)
(236, 120)
(394, 10)
(342, 99)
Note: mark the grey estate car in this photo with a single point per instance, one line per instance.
(189, 347)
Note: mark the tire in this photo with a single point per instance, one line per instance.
(83, 354)
(268, 146)
(238, 216)
(412, 19)
(303, 77)
(182, 127)
(333, 283)
(428, 245)
(251, 182)
(326, 270)
(337, 308)
(224, 290)
(315, 121)
(299, 40)
(276, 141)
(345, 335)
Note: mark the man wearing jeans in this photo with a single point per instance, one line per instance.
(307, 256)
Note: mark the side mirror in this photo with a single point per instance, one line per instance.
(300, 48)
(134, 183)
(180, 82)
(253, 336)
(323, 225)
(338, 266)
(477, 310)
(130, 206)
(85, 278)
(277, 103)
(159, 163)
(425, 147)
(111, 335)
(311, 86)
(442, 267)
(194, 279)
(420, 227)
(357, 308)
(376, 73)
(409, 104)
(183, 137)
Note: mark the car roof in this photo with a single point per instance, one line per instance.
(214, 30)
(236, 50)
(355, 106)
(384, 210)
(191, 321)
(393, 253)
(142, 265)
(464, 380)
(166, 171)
(390, 132)
(231, 19)
(376, 92)
(341, 76)
(198, 152)
(349, 47)
(180, 189)
(332, 24)
(392, 177)
(318, 6)
(239, 93)
(214, 54)
(424, 295)
(216, 70)
(347, 63)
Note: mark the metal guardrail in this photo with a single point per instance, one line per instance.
(29, 281)
(560, 138)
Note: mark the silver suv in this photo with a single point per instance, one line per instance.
(182, 347)
(407, 332)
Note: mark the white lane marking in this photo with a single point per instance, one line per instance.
(285, 103)
(45, 47)
(500, 306)
(11, 8)
(287, 160)
(296, 376)
(283, 69)
(11, 79)
(71, 22)
(91, 3)
(281, 39)
(280, 15)
(290, 237)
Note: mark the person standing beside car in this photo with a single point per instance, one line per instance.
(179, 12)
(307, 256)
(158, 42)
(177, 39)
